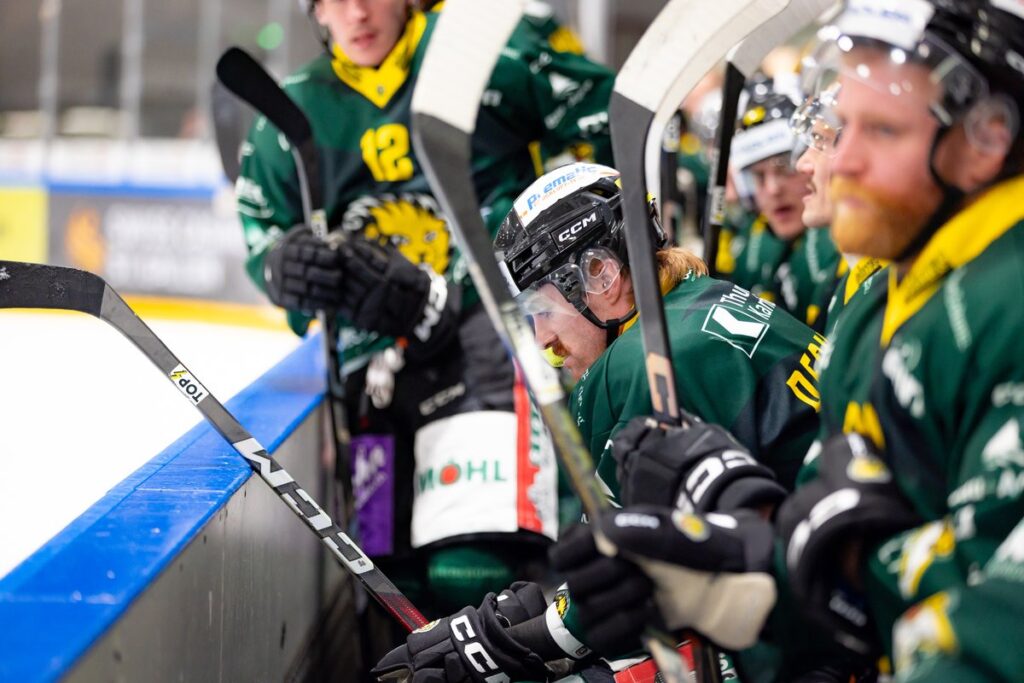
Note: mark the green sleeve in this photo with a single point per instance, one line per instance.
(559, 98)
(763, 393)
(980, 529)
(971, 632)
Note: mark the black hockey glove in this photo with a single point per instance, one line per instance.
(707, 572)
(699, 467)
(472, 644)
(386, 293)
(303, 273)
(827, 524)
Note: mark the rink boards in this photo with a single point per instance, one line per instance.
(189, 569)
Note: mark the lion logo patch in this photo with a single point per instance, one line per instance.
(412, 222)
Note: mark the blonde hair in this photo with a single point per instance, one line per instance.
(675, 264)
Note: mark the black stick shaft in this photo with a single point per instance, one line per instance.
(715, 215)
(240, 73)
(630, 124)
(26, 285)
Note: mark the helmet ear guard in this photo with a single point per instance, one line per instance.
(601, 268)
(992, 124)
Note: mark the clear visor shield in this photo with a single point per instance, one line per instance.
(923, 73)
(815, 123)
(779, 168)
(563, 295)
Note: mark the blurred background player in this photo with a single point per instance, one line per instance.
(802, 262)
(817, 266)
(761, 169)
(426, 378)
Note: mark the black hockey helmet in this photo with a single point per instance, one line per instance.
(562, 230)
(990, 35)
(762, 129)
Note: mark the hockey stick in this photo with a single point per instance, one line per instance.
(28, 285)
(228, 128)
(663, 67)
(243, 75)
(741, 63)
(467, 41)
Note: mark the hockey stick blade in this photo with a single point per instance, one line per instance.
(28, 285)
(243, 75)
(778, 29)
(240, 73)
(693, 37)
(741, 62)
(444, 110)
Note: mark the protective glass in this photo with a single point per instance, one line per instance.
(564, 292)
(780, 167)
(815, 123)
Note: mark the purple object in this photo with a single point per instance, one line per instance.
(373, 475)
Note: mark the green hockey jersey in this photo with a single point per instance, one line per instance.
(749, 254)
(374, 184)
(805, 279)
(739, 362)
(929, 367)
(850, 281)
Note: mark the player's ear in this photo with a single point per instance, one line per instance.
(318, 13)
(621, 288)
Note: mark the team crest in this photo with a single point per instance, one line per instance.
(925, 632)
(410, 221)
(691, 525)
(428, 626)
(868, 469)
(562, 603)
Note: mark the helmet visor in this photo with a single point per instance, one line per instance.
(815, 123)
(944, 83)
(566, 289)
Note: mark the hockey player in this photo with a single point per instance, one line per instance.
(427, 380)
(749, 251)
(927, 173)
(907, 538)
(822, 263)
(764, 150)
(562, 248)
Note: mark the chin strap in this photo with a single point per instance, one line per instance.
(952, 198)
(612, 328)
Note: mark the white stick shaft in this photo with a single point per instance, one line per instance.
(451, 80)
(686, 39)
